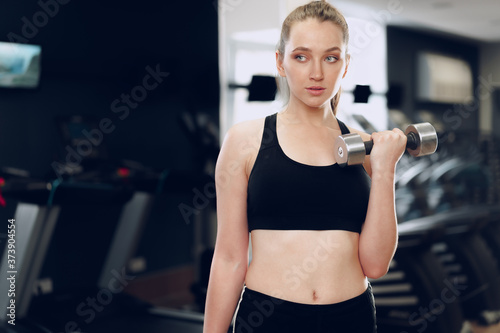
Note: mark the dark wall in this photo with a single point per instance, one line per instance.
(403, 46)
(95, 53)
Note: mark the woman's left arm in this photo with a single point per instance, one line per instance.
(379, 237)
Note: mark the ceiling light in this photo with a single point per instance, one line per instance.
(442, 5)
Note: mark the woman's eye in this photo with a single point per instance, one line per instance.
(331, 59)
(300, 57)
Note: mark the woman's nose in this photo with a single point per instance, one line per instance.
(316, 71)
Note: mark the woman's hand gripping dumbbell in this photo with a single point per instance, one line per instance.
(350, 149)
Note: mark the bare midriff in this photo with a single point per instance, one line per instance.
(302, 266)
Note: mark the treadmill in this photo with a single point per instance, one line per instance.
(72, 244)
(76, 231)
(443, 262)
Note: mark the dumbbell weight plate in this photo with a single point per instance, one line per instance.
(352, 143)
(426, 134)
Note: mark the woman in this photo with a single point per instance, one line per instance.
(318, 230)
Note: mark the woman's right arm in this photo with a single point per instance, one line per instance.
(230, 261)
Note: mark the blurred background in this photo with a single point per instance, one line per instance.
(111, 119)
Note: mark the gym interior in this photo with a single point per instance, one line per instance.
(111, 118)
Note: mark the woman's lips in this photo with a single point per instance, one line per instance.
(316, 91)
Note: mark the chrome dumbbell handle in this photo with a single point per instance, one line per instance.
(412, 143)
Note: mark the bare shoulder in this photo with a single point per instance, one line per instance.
(245, 128)
(245, 135)
(242, 141)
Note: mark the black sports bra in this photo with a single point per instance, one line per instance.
(284, 194)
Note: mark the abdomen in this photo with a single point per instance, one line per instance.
(313, 267)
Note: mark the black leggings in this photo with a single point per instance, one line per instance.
(261, 313)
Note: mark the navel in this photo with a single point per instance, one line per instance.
(315, 296)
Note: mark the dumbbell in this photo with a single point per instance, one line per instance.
(350, 149)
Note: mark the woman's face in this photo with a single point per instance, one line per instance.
(314, 62)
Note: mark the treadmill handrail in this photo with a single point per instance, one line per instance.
(191, 316)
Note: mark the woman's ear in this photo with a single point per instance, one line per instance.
(279, 64)
(347, 61)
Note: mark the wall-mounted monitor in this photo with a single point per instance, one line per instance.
(443, 79)
(19, 65)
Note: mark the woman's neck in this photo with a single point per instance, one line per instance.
(316, 116)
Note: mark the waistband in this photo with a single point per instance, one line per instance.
(256, 296)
